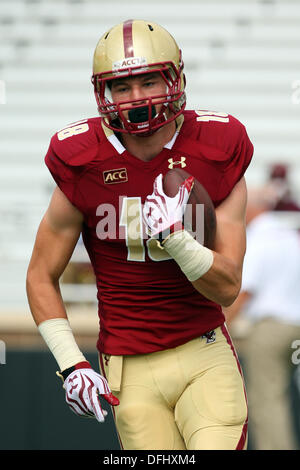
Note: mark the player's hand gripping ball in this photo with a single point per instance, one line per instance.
(162, 212)
(179, 201)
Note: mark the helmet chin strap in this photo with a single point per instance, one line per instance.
(136, 115)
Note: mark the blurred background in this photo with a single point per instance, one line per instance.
(241, 57)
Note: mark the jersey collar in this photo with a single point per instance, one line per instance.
(119, 147)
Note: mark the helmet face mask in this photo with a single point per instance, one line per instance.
(156, 110)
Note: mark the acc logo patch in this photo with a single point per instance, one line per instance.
(129, 62)
(118, 175)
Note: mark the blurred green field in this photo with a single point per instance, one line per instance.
(33, 411)
(34, 415)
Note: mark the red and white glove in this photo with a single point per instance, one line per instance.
(83, 386)
(163, 214)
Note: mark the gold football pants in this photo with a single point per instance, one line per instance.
(189, 397)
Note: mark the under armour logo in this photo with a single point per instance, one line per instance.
(180, 162)
(73, 386)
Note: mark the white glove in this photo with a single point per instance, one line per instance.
(82, 388)
(161, 212)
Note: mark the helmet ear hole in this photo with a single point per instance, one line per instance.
(150, 27)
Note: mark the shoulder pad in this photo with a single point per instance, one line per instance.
(219, 132)
(77, 143)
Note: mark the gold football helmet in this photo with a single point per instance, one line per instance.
(132, 48)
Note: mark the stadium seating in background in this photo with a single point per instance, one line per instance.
(240, 57)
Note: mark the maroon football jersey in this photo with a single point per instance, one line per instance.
(146, 303)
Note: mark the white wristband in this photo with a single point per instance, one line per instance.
(59, 338)
(193, 258)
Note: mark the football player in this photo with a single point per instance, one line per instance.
(168, 366)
